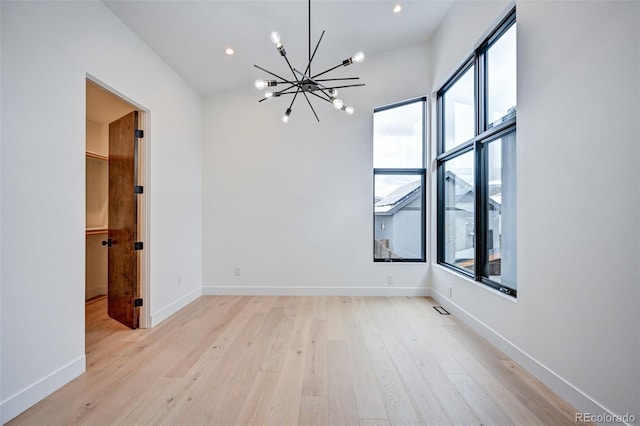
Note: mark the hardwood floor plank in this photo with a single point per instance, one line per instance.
(244, 372)
(335, 330)
(315, 375)
(154, 404)
(209, 394)
(256, 405)
(201, 336)
(342, 402)
(423, 398)
(367, 393)
(314, 411)
(278, 347)
(285, 402)
(204, 389)
(367, 326)
(374, 422)
(480, 402)
(320, 308)
(399, 408)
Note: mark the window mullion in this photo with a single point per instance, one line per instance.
(440, 212)
(480, 177)
(479, 92)
(453, 152)
(481, 214)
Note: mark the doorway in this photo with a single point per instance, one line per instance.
(116, 286)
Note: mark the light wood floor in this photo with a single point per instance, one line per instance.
(229, 360)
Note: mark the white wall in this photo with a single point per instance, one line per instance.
(576, 323)
(47, 50)
(291, 205)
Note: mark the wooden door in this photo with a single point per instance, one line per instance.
(123, 287)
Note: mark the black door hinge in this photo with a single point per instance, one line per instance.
(138, 189)
(138, 245)
(138, 133)
(137, 303)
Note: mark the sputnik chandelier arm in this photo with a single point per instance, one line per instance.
(305, 82)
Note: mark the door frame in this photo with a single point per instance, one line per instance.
(144, 228)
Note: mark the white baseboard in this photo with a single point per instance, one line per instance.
(172, 308)
(95, 291)
(19, 402)
(582, 402)
(212, 290)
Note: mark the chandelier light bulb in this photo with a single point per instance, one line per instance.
(349, 110)
(268, 94)
(358, 57)
(260, 84)
(337, 103)
(275, 37)
(286, 116)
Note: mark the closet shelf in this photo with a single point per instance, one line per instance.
(97, 156)
(97, 231)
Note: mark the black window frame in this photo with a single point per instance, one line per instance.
(422, 172)
(485, 133)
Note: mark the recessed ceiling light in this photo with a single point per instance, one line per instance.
(397, 9)
(229, 51)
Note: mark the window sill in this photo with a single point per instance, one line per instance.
(478, 284)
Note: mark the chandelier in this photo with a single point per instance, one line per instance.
(307, 83)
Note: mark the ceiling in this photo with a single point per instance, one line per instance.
(191, 36)
(103, 106)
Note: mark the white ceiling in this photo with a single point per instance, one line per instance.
(103, 106)
(191, 36)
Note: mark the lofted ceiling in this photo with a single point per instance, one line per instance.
(192, 36)
(103, 106)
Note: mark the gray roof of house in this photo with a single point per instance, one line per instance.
(465, 199)
(399, 198)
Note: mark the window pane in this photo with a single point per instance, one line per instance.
(398, 217)
(398, 137)
(459, 113)
(501, 212)
(501, 77)
(459, 207)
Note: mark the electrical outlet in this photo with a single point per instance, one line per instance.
(236, 271)
(390, 279)
(179, 280)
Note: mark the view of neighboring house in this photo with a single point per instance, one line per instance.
(398, 223)
(459, 221)
(459, 224)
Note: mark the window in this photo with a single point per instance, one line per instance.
(458, 111)
(459, 211)
(399, 181)
(477, 164)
